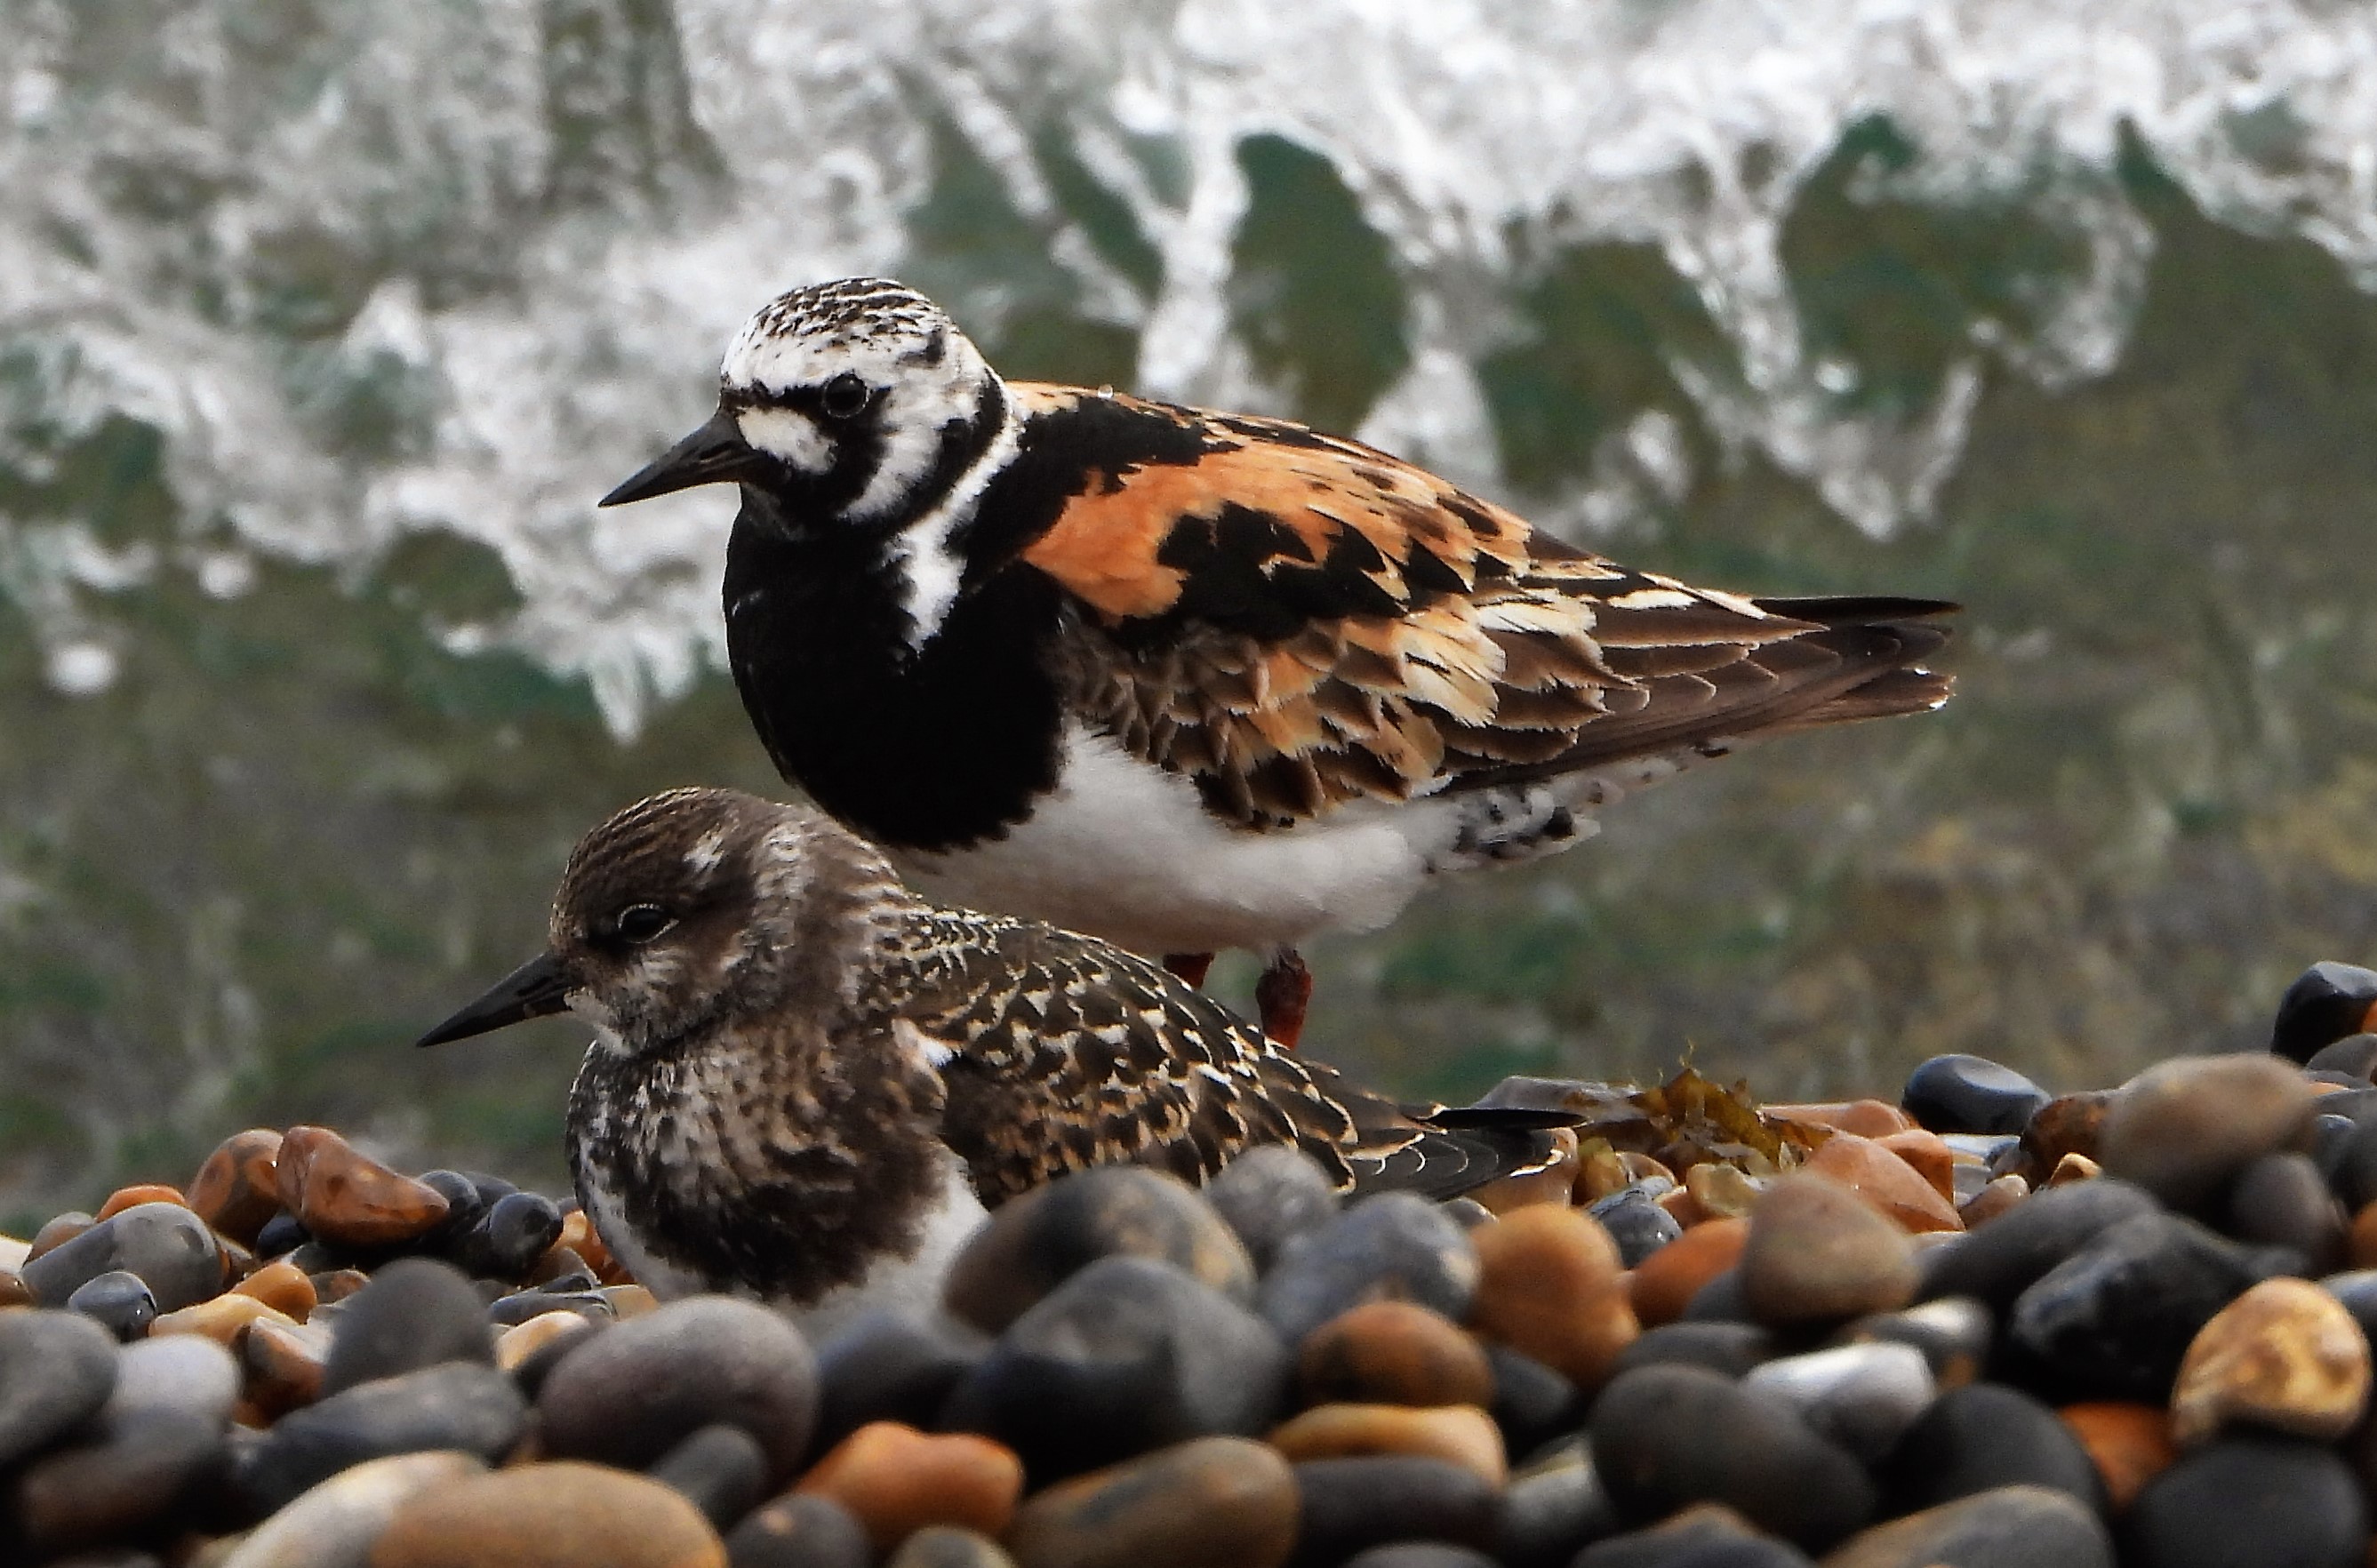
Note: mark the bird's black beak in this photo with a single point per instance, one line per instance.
(714, 454)
(535, 989)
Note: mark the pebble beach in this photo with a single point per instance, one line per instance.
(1967, 1323)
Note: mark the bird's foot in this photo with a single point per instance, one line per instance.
(1282, 996)
(1189, 967)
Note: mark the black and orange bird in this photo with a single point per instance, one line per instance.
(1188, 681)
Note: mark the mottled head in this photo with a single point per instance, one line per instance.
(684, 909)
(855, 402)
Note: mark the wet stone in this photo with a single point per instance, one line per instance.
(1551, 1511)
(344, 1196)
(2129, 1444)
(459, 1405)
(170, 1248)
(506, 1242)
(1128, 1355)
(182, 1376)
(632, 1392)
(887, 1367)
(1393, 1353)
(1457, 1434)
(1985, 1436)
(2114, 1318)
(1999, 1262)
(1552, 1285)
(56, 1371)
(1395, 1247)
(1665, 1437)
(1037, 1242)
(283, 1287)
(2270, 1500)
(1970, 1094)
(946, 1546)
(1953, 1334)
(118, 1300)
(14, 1291)
(2327, 1003)
(2285, 1355)
(2069, 1124)
(1349, 1505)
(2018, 1526)
(1817, 1252)
(1730, 1349)
(799, 1531)
(1664, 1284)
(2183, 1130)
(415, 1312)
(97, 1491)
(235, 1190)
(720, 1469)
(1531, 1403)
(896, 1480)
(1636, 1223)
(1215, 1503)
(464, 1208)
(1863, 1398)
(334, 1524)
(549, 1515)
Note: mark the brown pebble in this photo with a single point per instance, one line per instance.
(1867, 1118)
(1665, 1282)
(1884, 1180)
(236, 1189)
(2286, 1356)
(336, 1522)
(1550, 1285)
(283, 1362)
(1554, 1183)
(1599, 1172)
(629, 1300)
(2130, 1445)
(123, 1198)
(578, 1235)
(1393, 1353)
(1213, 1502)
(1992, 1200)
(558, 1514)
(1457, 1434)
(2073, 1167)
(1683, 1208)
(1929, 1156)
(283, 1287)
(341, 1194)
(2360, 1245)
(337, 1285)
(517, 1344)
(896, 1480)
(224, 1319)
(14, 1291)
(1721, 1192)
(557, 1261)
(1818, 1252)
(2185, 1128)
(58, 1232)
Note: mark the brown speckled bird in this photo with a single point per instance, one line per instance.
(808, 1084)
(1191, 680)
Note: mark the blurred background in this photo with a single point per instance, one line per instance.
(324, 322)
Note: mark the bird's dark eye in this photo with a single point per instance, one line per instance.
(845, 395)
(641, 922)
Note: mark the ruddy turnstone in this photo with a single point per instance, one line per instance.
(808, 1084)
(1191, 680)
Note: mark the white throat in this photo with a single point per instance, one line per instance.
(930, 568)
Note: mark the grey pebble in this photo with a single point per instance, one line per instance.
(56, 1371)
(799, 1531)
(946, 1546)
(185, 1375)
(720, 1469)
(1270, 1196)
(170, 1248)
(1862, 1396)
(415, 1312)
(459, 1405)
(118, 1301)
(1397, 1246)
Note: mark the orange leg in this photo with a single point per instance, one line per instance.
(1282, 996)
(1189, 967)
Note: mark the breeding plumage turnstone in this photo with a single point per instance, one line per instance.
(808, 1084)
(1191, 680)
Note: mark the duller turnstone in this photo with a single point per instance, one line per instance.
(808, 1084)
(1191, 680)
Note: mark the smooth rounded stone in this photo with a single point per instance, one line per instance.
(1551, 1511)
(460, 1405)
(1270, 1195)
(1531, 1403)
(57, 1370)
(1953, 1334)
(720, 1469)
(235, 1190)
(505, 1241)
(515, 1346)
(464, 1207)
(525, 1306)
(55, 1233)
(1665, 1437)
(2012, 1253)
(1663, 1284)
(14, 1291)
(1393, 1353)
(1421, 1554)
(946, 1546)
(170, 1248)
(1860, 1396)
(283, 1236)
(888, 1366)
(285, 1363)
(2184, 1129)
(2269, 1501)
(799, 1531)
(2014, 1527)
(184, 1375)
(1037, 1242)
(562, 1515)
(2351, 1166)
(1818, 1252)
(1970, 1094)
(101, 1490)
(1213, 1502)
(2129, 1444)
(342, 1195)
(2281, 1200)
(896, 1480)
(1349, 1505)
(2329, 1141)
(1707, 1536)
(1457, 1434)
(628, 1394)
(2355, 1056)
(139, 1193)
(1730, 1348)
(1984, 1436)
(2327, 1003)
(1394, 1247)
(1998, 1196)
(1552, 1285)
(1721, 1301)
(1886, 1181)
(1636, 1223)
(415, 1312)
(1128, 1355)
(334, 1524)
(2286, 1356)
(2357, 1292)
(1466, 1213)
(118, 1301)
(284, 1287)
(2115, 1318)
(1719, 1192)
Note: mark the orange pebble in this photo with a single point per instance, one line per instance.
(1886, 1181)
(1867, 1118)
(897, 1480)
(1665, 1282)
(1457, 1434)
(123, 1198)
(1550, 1285)
(2129, 1444)
(224, 1319)
(281, 1285)
(1930, 1156)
